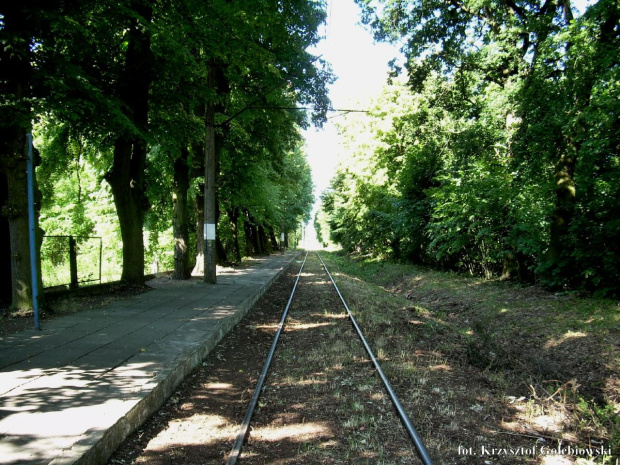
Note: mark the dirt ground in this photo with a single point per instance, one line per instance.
(480, 389)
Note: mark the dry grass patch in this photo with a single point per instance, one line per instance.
(490, 367)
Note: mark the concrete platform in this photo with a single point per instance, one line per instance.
(72, 392)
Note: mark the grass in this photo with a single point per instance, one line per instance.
(540, 363)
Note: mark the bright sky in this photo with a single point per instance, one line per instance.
(361, 67)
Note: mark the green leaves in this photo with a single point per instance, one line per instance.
(508, 158)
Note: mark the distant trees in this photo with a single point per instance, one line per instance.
(122, 87)
(501, 156)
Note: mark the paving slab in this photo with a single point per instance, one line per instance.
(72, 392)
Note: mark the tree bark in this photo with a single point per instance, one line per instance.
(264, 240)
(197, 170)
(16, 211)
(256, 243)
(233, 216)
(253, 246)
(249, 249)
(5, 246)
(180, 222)
(272, 237)
(199, 205)
(584, 81)
(222, 256)
(564, 206)
(127, 182)
(126, 177)
(220, 250)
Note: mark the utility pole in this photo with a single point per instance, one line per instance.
(32, 227)
(210, 275)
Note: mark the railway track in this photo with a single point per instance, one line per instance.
(321, 401)
(311, 276)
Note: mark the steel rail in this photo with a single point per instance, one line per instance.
(243, 431)
(413, 434)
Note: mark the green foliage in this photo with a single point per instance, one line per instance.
(503, 156)
(257, 51)
(75, 202)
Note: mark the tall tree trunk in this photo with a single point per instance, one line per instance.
(233, 216)
(249, 249)
(197, 170)
(264, 240)
(564, 206)
(253, 246)
(180, 221)
(583, 82)
(222, 256)
(256, 242)
(127, 182)
(5, 246)
(15, 123)
(272, 237)
(126, 177)
(254, 236)
(199, 209)
(16, 212)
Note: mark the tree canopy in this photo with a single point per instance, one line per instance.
(119, 92)
(499, 155)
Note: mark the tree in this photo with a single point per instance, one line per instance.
(578, 71)
(126, 177)
(22, 82)
(262, 63)
(273, 56)
(16, 82)
(130, 77)
(522, 83)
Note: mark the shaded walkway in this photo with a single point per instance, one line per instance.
(73, 391)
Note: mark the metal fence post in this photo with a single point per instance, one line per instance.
(73, 263)
(100, 257)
